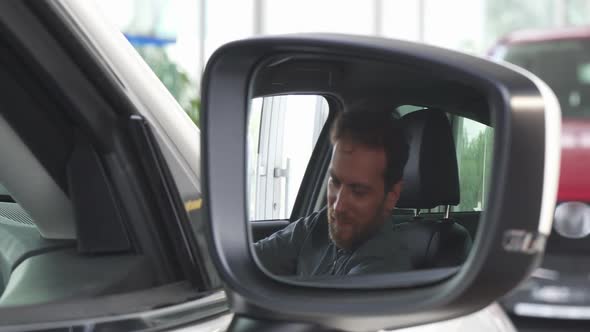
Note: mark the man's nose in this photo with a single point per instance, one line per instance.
(341, 200)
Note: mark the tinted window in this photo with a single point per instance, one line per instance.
(473, 141)
(3, 191)
(564, 65)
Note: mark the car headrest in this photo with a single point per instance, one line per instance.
(430, 176)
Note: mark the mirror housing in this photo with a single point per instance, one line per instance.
(509, 243)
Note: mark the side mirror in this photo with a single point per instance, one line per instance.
(354, 71)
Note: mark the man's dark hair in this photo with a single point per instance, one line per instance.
(379, 130)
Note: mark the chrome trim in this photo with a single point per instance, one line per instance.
(552, 311)
(196, 313)
(548, 274)
(517, 240)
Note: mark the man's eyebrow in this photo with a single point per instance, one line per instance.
(361, 186)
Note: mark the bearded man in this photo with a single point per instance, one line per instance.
(353, 234)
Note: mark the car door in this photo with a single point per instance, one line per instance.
(103, 165)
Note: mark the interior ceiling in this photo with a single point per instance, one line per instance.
(377, 85)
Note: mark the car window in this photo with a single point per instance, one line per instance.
(473, 142)
(282, 133)
(3, 191)
(564, 65)
(406, 109)
(154, 30)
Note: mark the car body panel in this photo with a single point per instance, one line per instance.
(574, 184)
(574, 181)
(491, 318)
(558, 288)
(532, 36)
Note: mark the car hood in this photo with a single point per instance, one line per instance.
(490, 319)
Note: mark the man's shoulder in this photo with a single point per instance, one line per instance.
(381, 253)
(298, 230)
(381, 243)
(314, 218)
(319, 214)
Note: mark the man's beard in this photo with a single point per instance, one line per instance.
(359, 234)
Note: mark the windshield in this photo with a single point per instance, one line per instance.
(564, 65)
(3, 191)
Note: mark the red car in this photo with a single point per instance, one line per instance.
(560, 57)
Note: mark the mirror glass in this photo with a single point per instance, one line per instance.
(349, 180)
(282, 132)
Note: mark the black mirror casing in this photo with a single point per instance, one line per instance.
(509, 243)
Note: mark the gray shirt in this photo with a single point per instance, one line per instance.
(304, 249)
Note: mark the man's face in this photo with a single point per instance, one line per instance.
(357, 200)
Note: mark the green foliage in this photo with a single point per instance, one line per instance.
(174, 78)
(193, 110)
(474, 160)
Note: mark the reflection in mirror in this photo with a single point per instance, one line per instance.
(282, 132)
(401, 189)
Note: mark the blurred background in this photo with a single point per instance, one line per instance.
(550, 38)
(176, 37)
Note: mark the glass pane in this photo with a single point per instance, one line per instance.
(166, 35)
(474, 157)
(3, 190)
(282, 133)
(406, 109)
(564, 66)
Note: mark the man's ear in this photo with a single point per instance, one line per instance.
(393, 195)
